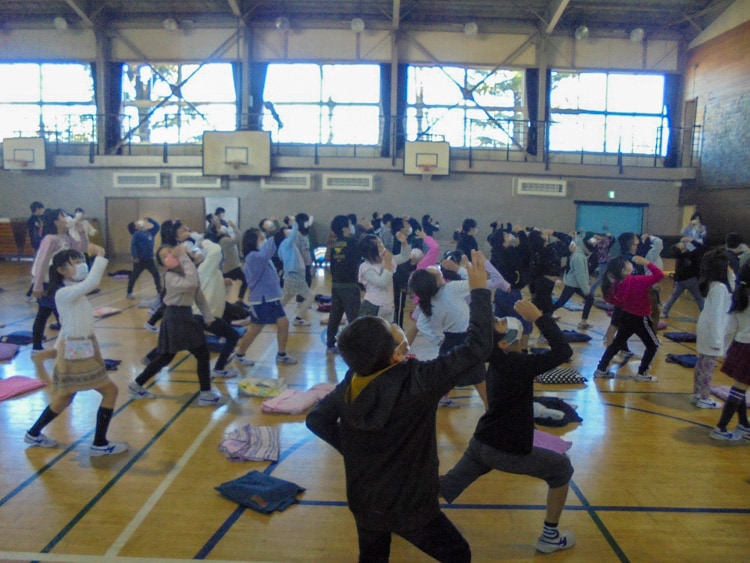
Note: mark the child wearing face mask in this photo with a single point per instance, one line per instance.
(504, 436)
(179, 329)
(79, 365)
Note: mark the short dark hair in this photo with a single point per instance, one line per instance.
(36, 205)
(366, 345)
(387, 217)
(733, 240)
(250, 241)
(219, 210)
(468, 224)
(625, 241)
(339, 223)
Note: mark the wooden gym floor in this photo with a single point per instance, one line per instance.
(649, 484)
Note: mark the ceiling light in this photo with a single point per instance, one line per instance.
(60, 23)
(582, 32)
(170, 24)
(282, 23)
(358, 25)
(471, 29)
(637, 35)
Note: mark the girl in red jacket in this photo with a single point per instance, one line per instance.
(631, 293)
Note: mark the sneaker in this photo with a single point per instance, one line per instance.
(145, 361)
(130, 296)
(707, 404)
(331, 350)
(285, 359)
(645, 377)
(719, 434)
(139, 392)
(54, 326)
(743, 431)
(113, 448)
(226, 373)
(244, 360)
(40, 441)
(299, 321)
(602, 374)
(149, 327)
(565, 540)
(35, 351)
(583, 325)
(210, 399)
(30, 299)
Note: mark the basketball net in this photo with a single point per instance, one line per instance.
(427, 170)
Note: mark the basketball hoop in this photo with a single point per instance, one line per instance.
(236, 164)
(16, 164)
(427, 170)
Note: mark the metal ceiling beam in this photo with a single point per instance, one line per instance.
(81, 14)
(235, 8)
(557, 12)
(396, 16)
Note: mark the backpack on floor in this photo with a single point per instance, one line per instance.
(19, 337)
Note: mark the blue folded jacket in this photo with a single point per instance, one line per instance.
(261, 492)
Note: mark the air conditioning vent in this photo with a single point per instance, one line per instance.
(137, 180)
(287, 181)
(541, 187)
(349, 182)
(193, 180)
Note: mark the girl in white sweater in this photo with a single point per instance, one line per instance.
(376, 275)
(79, 365)
(711, 326)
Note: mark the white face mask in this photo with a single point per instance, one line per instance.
(82, 270)
(409, 231)
(70, 222)
(79, 215)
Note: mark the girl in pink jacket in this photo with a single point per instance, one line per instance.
(631, 293)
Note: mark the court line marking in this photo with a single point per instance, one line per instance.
(145, 510)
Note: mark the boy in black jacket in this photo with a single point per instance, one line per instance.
(381, 418)
(504, 436)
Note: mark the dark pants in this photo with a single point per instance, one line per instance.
(399, 302)
(439, 539)
(202, 356)
(40, 321)
(568, 292)
(238, 275)
(224, 330)
(542, 297)
(629, 325)
(138, 267)
(343, 300)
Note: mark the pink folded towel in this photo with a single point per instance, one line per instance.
(551, 442)
(18, 384)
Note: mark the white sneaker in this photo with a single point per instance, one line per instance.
(151, 328)
(583, 325)
(565, 540)
(244, 360)
(138, 392)
(113, 448)
(707, 404)
(36, 351)
(286, 359)
(210, 399)
(129, 297)
(226, 373)
(601, 374)
(645, 377)
(299, 321)
(40, 441)
(725, 435)
(743, 431)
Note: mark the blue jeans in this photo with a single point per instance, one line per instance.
(691, 285)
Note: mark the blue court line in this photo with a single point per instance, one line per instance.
(67, 450)
(78, 517)
(219, 534)
(599, 524)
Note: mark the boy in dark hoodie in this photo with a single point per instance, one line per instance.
(504, 436)
(381, 418)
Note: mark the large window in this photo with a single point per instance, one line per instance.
(52, 100)
(335, 104)
(608, 112)
(172, 103)
(465, 106)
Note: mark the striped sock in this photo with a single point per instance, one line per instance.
(735, 401)
(549, 532)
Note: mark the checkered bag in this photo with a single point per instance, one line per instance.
(561, 376)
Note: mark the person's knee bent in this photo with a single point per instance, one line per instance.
(562, 474)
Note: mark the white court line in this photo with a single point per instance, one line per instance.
(146, 509)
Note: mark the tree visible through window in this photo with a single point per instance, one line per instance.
(465, 106)
(173, 103)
